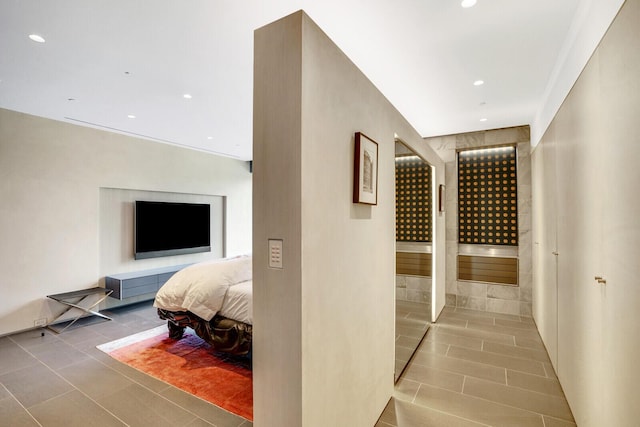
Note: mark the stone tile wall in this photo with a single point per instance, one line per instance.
(484, 296)
(413, 288)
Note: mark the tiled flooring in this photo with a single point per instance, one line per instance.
(63, 380)
(472, 369)
(479, 369)
(412, 322)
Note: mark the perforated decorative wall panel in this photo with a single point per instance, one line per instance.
(487, 196)
(413, 199)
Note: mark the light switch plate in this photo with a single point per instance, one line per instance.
(275, 253)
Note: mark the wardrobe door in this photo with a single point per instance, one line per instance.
(580, 188)
(545, 289)
(620, 248)
(550, 248)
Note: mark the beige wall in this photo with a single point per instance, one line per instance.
(51, 176)
(324, 324)
(588, 192)
(514, 300)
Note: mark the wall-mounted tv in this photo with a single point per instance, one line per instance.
(167, 228)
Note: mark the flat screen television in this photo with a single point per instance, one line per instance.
(167, 228)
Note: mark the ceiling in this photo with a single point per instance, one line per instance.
(104, 60)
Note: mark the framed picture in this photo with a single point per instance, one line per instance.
(365, 176)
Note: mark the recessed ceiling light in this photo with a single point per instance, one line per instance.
(478, 83)
(209, 137)
(131, 116)
(187, 96)
(36, 38)
(483, 119)
(468, 3)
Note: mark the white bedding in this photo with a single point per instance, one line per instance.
(238, 303)
(203, 287)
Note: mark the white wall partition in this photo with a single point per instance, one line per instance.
(324, 323)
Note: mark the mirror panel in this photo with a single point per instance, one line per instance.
(414, 216)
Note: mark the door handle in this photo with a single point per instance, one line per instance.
(555, 253)
(600, 280)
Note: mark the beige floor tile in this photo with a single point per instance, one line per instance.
(136, 376)
(530, 334)
(58, 354)
(518, 324)
(527, 320)
(13, 358)
(452, 321)
(476, 409)
(73, 409)
(409, 332)
(478, 313)
(513, 351)
(399, 366)
(408, 342)
(406, 389)
(208, 412)
(34, 384)
(435, 377)
(459, 366)
(523, 365)
(408, 322)
(535, 343)
(469, 317)
(534, 383)
(507, 376)
(437, 336)
(478, 333)
(135, 405)
(94, 379)
(548, 369)
(423, 317)
(13, 414)
(554, 422)
(429, 346)
(53, 401)
(404, 414)
(403, 353)
(528, 400)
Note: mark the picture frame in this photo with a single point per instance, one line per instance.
(365, 170)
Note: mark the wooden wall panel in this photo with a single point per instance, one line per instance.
(488, 269)
(413, 263)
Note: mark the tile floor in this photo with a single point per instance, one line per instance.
(479, 369)
(412, 322)
(63, 380)
(472, 369)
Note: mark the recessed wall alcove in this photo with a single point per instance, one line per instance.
(117, 233)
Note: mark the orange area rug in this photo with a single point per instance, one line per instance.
(189, 364)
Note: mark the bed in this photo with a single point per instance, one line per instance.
(214, 298)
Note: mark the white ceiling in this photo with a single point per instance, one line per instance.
(106, 59)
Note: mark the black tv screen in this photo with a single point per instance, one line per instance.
(166, 228)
